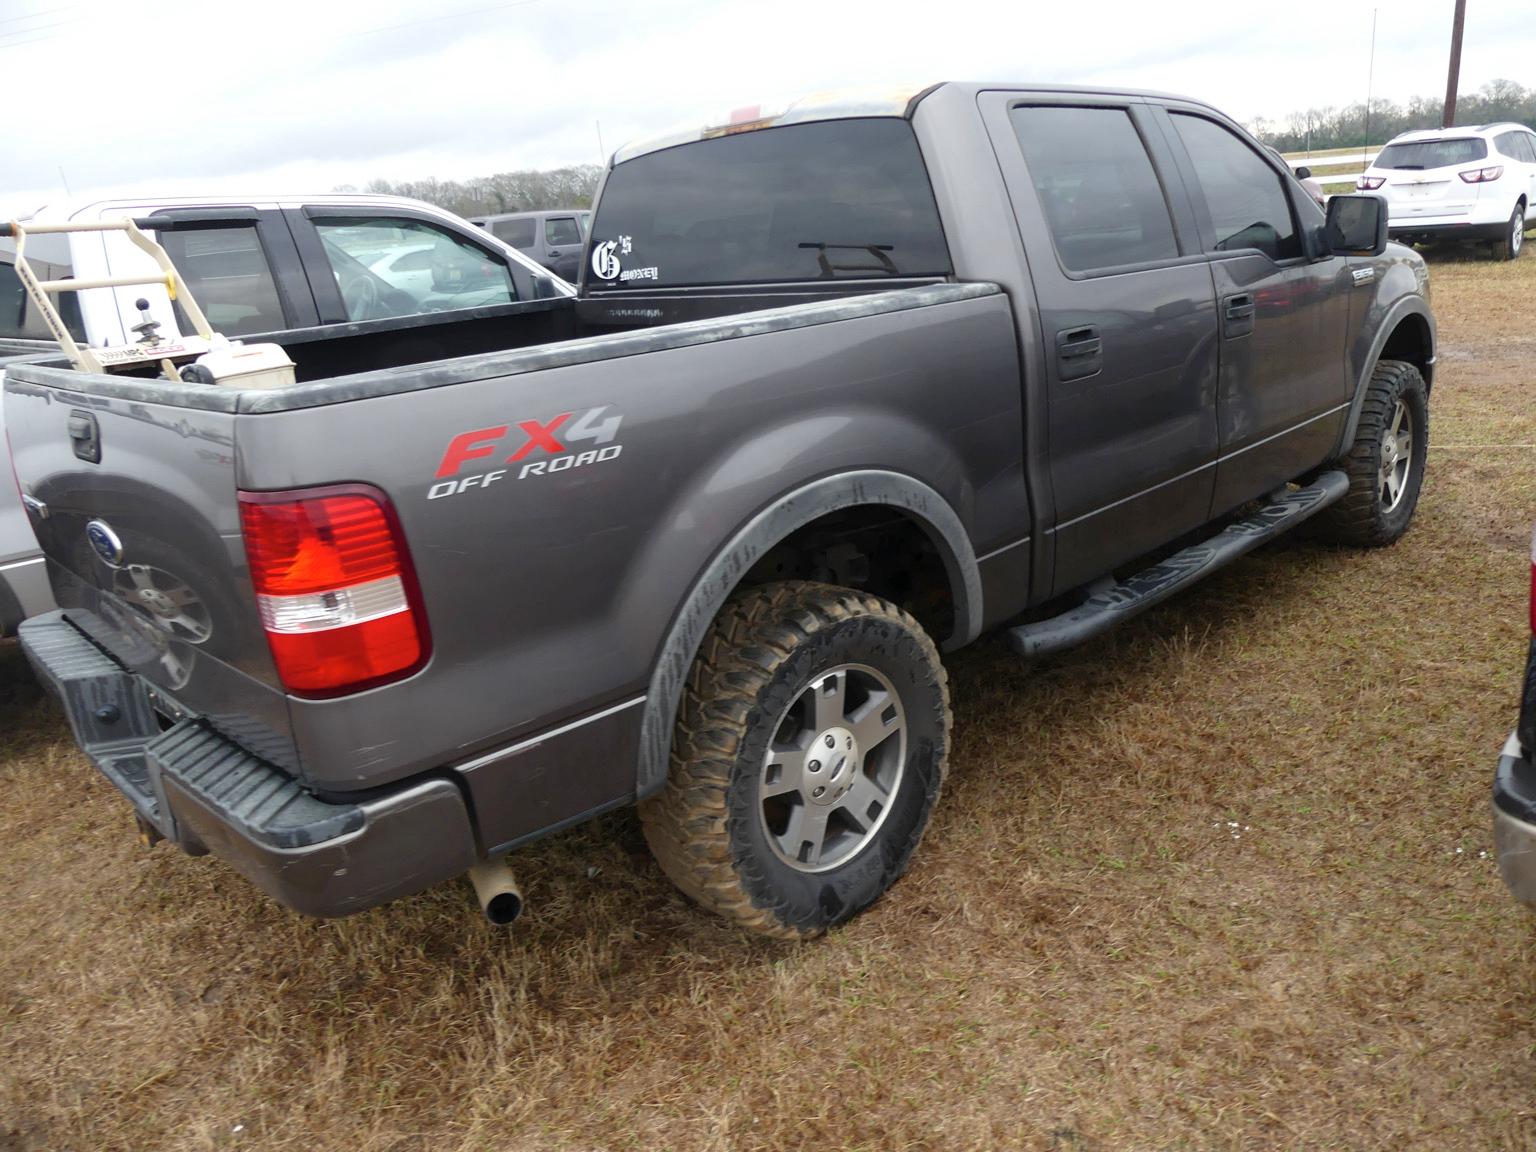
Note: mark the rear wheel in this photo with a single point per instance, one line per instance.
(810, 749)
(1385, 464)
(1513, 243)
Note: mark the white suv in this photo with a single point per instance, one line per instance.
(1475, 183)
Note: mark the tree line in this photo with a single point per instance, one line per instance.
(523, 191)
(1321, 128)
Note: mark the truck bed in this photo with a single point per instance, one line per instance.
(549, 595)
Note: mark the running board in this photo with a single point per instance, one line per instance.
(1114, 603)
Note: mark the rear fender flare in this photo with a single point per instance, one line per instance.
(724, 572)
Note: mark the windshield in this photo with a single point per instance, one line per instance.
(842, 199)
(1420, 154)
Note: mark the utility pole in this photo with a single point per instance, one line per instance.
(1370, 79)
(1449, 120)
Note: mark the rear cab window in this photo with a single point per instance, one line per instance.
(517, 233)
(228, 274)
(831, 200)
(1097, 188)
(1417, 155)
(561, 231)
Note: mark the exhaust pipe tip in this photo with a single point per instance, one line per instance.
(500, 896)
(503, 908)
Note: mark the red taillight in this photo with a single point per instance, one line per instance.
(1370, 183)
(1482, 175)
(335, 588)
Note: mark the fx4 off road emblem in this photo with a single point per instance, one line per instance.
(547, 446)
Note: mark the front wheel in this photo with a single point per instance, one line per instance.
(809, 752)
(1386, 462)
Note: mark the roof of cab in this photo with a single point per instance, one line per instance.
(98, 206)
(850, 103)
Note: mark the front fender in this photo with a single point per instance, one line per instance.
(1387, 312)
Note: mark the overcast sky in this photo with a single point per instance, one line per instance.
(139, 97)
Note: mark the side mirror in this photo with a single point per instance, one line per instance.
(1303, 173)
(1356, 225)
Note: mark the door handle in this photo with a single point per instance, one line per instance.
(1079, 352)
(553, 253)
(1237, 315)
(84, 436)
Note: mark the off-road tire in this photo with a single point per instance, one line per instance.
(1360, 519)
(765, 647)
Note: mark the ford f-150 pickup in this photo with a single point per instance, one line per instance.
(842, 388)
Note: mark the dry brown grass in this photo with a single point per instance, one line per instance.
(1213, 882)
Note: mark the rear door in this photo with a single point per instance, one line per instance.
(1128, 320)
(239, 262)
(562, 246)
(1284, 319)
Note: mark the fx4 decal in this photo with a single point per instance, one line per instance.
(547, 446)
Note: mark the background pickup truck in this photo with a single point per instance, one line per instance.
(257, 268)
(841, 387)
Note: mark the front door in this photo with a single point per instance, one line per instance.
(1285, 387)
(1128, 320)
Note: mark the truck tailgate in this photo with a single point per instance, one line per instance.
(134, 504)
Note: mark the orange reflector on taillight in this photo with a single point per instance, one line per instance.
(334, 586)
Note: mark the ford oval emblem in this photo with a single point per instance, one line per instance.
(104, 542)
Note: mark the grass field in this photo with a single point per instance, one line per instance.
(1219, 880)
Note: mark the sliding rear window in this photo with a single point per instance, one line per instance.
(1421, 154)
(837, 200)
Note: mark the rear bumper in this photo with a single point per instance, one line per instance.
(1514, 821)
(1483, 221)
(203, 791)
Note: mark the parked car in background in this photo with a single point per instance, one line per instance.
(1476, 183)
(1514, 784)
(288, 268)
(555, 238)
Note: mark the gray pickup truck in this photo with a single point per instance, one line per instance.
(841, 388)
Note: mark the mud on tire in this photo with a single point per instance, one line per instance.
(808, 706)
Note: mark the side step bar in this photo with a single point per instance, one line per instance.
(1114, 603)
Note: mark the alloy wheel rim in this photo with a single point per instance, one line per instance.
(834, 764)
(1396, 458)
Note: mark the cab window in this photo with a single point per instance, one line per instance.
(1097, 187)
(50, 260)
(561, 231)
(227, 272)
(1248, 204)
(377, 262)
